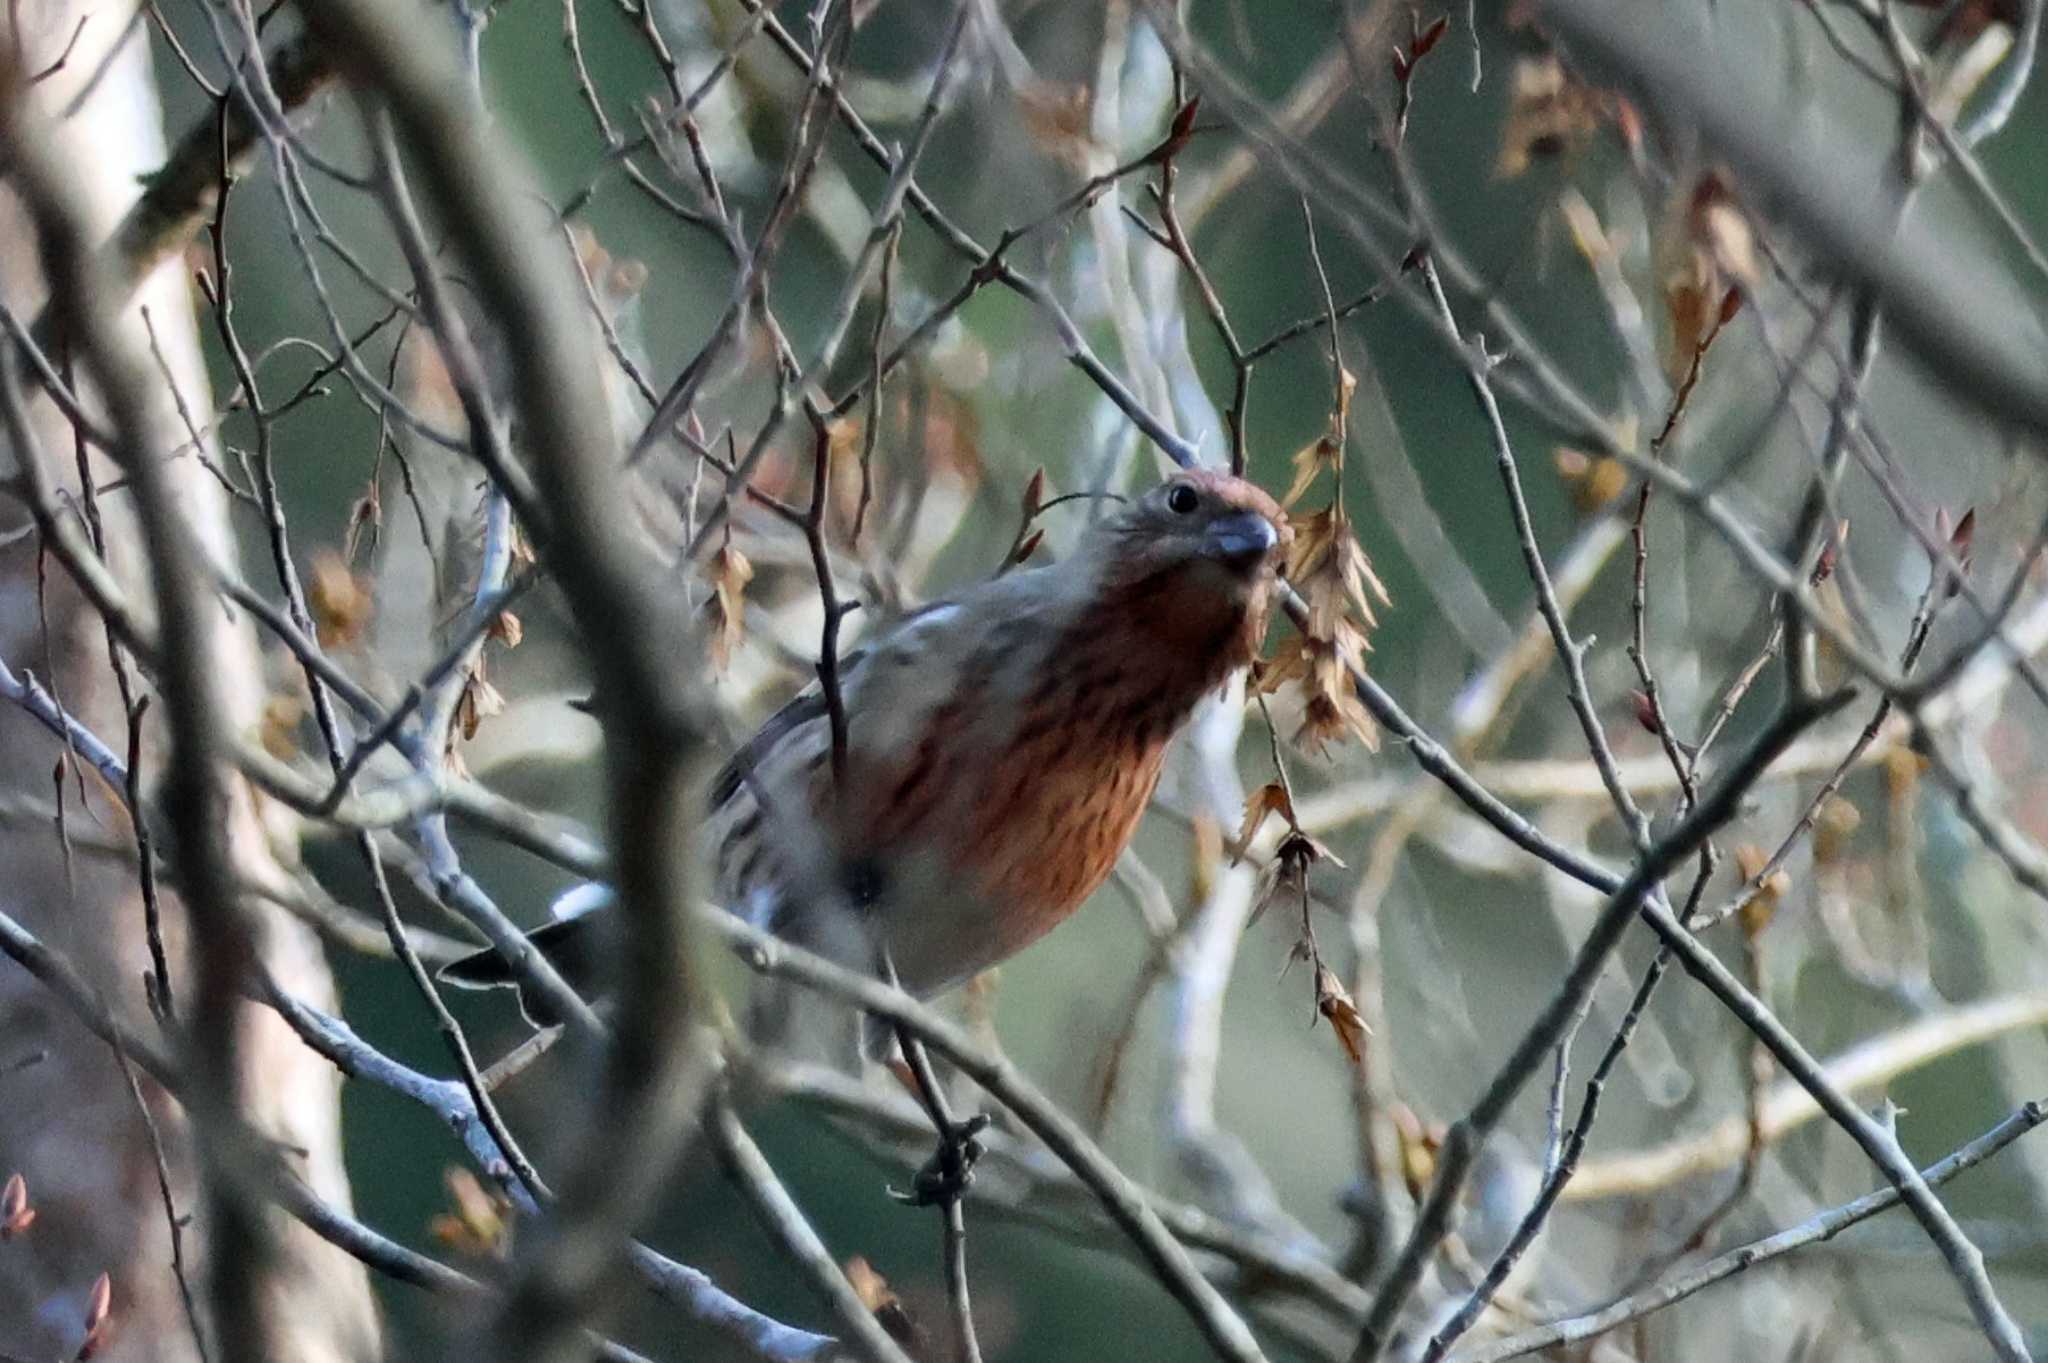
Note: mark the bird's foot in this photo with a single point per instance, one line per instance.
(947, 1174)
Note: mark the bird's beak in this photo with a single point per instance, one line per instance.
(1242, 538)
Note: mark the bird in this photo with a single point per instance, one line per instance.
(999, 748)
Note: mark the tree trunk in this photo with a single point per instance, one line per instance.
(72, 1123)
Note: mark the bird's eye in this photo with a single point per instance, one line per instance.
(1181, 500)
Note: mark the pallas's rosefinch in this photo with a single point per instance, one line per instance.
(1000, 747)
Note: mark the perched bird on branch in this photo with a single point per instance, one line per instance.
(993, 754)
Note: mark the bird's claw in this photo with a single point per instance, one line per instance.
(950, 1170)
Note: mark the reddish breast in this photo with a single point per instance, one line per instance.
(1083, 813)
(1060, 803)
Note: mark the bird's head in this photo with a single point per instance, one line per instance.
(1217, 531)
(1194, 561)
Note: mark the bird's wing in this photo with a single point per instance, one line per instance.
(808, 705)
(764, 803)
(940, 673)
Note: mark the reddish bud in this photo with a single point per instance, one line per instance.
(16, 1215)
(1966, 531)
(1629, 124)
(1959, 541)
(99, 1306)
(367, 508)
(1420, 47)
(1824, 566)
(1646, 712)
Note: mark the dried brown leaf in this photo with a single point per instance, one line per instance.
(1355, 570)
(1271, 798)
(1419, 1147)
(1056, 117)
(729, 572)
(1299, 847)
(1330, 718)
(1608, 480)
(842, 439)
(1730, 243)
(1289, 663)
(1314, 535)
(1328, 566)
(1756, 914)
(1757, 910)
(478, 702)
(1588, 235)
(869, 1286)
(481, 1221)
(1347, 388)
(626, 279)
(1593, 480)
(1706, 252)
(1309, 461)
(1834, 824)
(278, 730)
(1549, 112)
(1685, 305)
(341, 603)
(883, 1304)
(1278, 879)
(1336, 1005)
(1902, 770)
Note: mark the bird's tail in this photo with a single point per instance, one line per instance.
(575, 942)
(781, 1016)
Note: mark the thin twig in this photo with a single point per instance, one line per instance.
(1822, 1227)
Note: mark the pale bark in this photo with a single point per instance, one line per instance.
(70, 1122)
